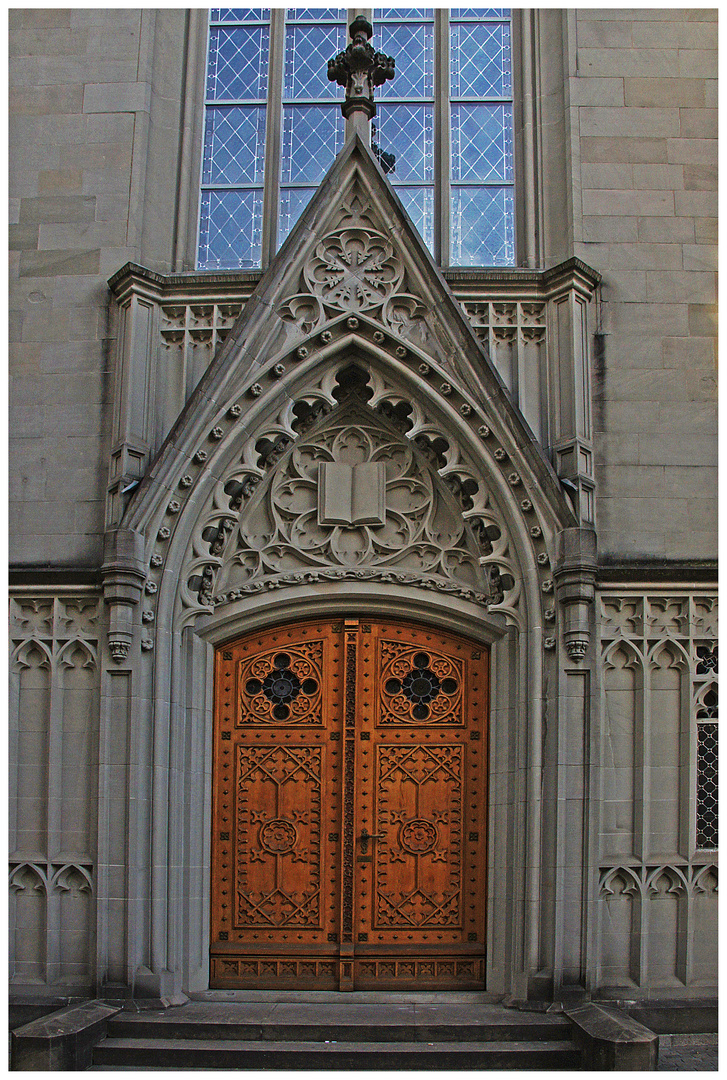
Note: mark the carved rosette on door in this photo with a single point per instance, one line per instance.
(349, 808)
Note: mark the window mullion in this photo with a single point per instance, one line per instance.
(273, 135)
(441, 136)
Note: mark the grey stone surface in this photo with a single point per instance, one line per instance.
(611, 1040)
(689, 1053)
(61, 1041)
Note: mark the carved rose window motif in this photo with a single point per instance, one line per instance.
(278, 837)
(418, 836)
(419, 686)
(282, 686)
(354, 270)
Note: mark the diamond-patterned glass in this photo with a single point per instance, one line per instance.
(407, 132)
(239, 14)
(234, 145)
(479, 13)
(419, 205)
(230, 230)
(412, 46)
(482, 226)
(238, 63)
(308, 49)
(480, 61)
(403, 13)
(482, 143)
(317, 14)
(707, 785)
(293, 202)
(312, 136)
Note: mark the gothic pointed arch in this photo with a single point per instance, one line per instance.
(352, 288)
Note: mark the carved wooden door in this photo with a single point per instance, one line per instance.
(349, 808)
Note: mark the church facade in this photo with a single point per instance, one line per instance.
(363, 603)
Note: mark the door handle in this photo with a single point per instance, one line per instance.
(366, 836)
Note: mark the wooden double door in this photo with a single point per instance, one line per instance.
(349, 832)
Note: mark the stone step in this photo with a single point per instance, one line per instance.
(254, 1054)
(342, 1025)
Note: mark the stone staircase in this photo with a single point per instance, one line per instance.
(319, 1030)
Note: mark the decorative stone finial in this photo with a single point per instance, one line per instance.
(360, 69)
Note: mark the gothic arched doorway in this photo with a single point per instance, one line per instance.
(349, 819)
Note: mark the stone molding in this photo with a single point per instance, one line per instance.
(680, 879)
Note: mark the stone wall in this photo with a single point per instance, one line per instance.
(657, 887)
(53, 781)
(95, 106)
(643, 96)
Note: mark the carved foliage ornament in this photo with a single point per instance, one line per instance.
(411, 524)
(247, 482)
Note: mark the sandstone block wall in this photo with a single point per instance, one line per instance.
(95, 100)
(643, 96)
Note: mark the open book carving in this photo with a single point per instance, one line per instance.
(351, 494)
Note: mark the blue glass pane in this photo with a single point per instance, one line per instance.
(238, 63)
(293, 202)
(480, 62)
(239, 14)
(419, 205)
(412, 46)
(482, 226)
(482, 143)
(317, 14)
(403, 13)
(407, 132)
(234, 145)
(479, 13)
(230, 229)
(312, 136)
(307, 52)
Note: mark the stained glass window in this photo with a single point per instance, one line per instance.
(313, 127)
(402, 132)
(482, 208)
(233, 155)
(269, 140)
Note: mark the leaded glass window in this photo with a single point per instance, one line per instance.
(442, 133)
(707, 743)
(233, 156)
(313, 127)
(402, 132)
(482, 211)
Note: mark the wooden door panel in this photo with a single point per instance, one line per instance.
(277, 809)
(418, 858)
(422, 891)
(278, 857)
(326, 732)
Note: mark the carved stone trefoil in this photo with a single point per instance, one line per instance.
(360, 68)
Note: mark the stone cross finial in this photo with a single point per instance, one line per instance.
(360, 69)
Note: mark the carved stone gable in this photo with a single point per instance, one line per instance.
(352, 495)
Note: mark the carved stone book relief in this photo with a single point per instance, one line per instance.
(351, 494)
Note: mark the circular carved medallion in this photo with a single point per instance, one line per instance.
(278, 836)
(418, 836)
(354, 269)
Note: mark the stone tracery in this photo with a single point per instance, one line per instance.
(491, 576)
